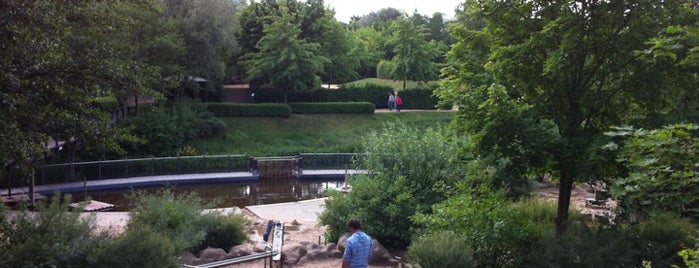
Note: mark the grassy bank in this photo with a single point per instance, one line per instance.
(308, 133)
(397, 85)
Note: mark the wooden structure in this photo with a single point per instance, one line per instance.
(237, 93)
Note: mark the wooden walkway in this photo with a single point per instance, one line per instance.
(148, 181)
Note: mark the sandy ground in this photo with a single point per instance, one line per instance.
(302, 222)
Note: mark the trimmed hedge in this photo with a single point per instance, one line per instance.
(420, 99)
(372, 93)
(250, 110)
(332, 108)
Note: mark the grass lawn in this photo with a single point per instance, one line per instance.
(308, 133)
(397, 85)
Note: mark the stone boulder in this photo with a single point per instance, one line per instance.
(291, 254)
(342, 241)
(212, 254)
(190, 259)
(260, 247)
(336, 253)
(240, 250)
(310, 245)
(314, 255)
(330, 247)
(379, 254)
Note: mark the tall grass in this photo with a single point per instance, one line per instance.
(329, 133)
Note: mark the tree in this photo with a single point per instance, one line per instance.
(367, 49)
(335, 44)
(413, 54)
(662, 167)
(208, 29)
(407, 174)
(284, 60)
(56, 61)
(574, 62)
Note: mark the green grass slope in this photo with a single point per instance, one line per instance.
(308, 133)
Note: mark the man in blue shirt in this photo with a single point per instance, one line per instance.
(357, 247)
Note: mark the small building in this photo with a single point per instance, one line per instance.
(237, 93)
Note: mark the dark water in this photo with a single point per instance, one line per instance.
(232, 194)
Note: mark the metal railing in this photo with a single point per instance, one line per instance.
(156, 166)
(124, 168)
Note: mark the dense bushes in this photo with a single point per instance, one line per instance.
(251, 110)
(165, 129)
(419, 98)
(161, 227)
(407, 170)
(506, 234)
(332, 108)
(441, 250)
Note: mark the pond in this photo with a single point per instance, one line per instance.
(232, 194)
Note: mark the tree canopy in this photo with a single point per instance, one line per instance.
(575, 63)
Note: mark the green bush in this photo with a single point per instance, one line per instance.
(249, 110)
(441, 250)
(142, 247)
(163, 129)
(384, 69)
(419, 98)
(332, 108)
(50, 237)
(224, 231)
(407, 170)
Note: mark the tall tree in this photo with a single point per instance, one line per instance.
(413, 54)
(284, 60)
(574, 63)
(56, 60)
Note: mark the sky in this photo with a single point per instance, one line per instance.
(344, 9)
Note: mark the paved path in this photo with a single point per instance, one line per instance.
(412, 111)
(306, 211)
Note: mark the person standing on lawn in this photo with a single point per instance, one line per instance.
(391, 101)
(399, 102)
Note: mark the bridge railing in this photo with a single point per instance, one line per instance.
(156, 166)
(124, 168)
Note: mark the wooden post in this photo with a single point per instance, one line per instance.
(31, 190)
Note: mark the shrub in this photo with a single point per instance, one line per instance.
(372, 93)
(419, 98)
(407, 168)
(165, 128)
(141, 247)
(224, 231)
(249, 110)
(441, 250)
(332, 108)
(176, 217)
(52, 237)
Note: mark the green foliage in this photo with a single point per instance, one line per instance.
(224, 231)
(500, 234)
(332, 108)
(663, 235)
(407, 170)
(141, 247)
(662, 170)
(414, 55)
(384, 70)
(285, 60)
(441, 250)
(250, 110)
(372, 93)
(690, 258)
(176, 217)
(419, 98)
(50, 237)
(166, 128)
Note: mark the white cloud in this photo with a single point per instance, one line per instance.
(344, 9)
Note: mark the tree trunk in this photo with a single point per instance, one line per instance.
(564, 190)
(135, 100)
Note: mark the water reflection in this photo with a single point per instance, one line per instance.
(234, 194)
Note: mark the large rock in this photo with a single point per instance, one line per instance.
(330, 247)
(212, 254)
(336, 253)
(190, 258)
(342, 241)
(310, 245)
(314, 255)
(240, 250)
(293, 253)
(379, 254)
(260, 247)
